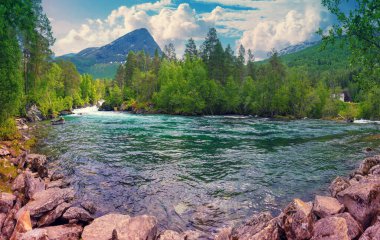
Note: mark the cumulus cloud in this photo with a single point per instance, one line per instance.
(265, 25)
(294, 28)
(166, 25)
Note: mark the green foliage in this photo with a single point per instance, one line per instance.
(8, 129)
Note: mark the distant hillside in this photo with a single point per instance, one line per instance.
(102, 62)
(333, 57)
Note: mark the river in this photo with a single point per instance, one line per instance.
(199, 172)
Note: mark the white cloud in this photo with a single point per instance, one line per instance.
(296, 27)
(167, 25)
(269, 24)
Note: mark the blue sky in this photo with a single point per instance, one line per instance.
(257, 24)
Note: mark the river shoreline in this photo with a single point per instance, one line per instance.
(29, 210)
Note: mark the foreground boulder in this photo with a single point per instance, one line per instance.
(367, 164)
(354, 228)
(297, 220)
(123, 226)
(47, 200)
(170, 235)
(23, 225)
(35, 234)
(224, 234)
(75, 214)
(33, 185)
(332, 228)
(338, 185)
(7, 201)
(64, 232)
(261, 226)
(372, 233)
(53, 215)
(326, 206)
(362, 200)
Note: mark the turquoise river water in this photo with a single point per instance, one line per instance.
(200, 172)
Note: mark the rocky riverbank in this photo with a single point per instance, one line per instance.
(38, 204)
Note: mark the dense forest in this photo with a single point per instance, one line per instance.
(28, 75)
(213, 80)
(208, 79)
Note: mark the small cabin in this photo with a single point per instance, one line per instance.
(344, 96)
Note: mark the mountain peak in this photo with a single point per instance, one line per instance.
(114, 52)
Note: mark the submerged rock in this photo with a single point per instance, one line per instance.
(326, 206)
(332, 228)
(297, 220)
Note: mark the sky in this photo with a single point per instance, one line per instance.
(259, 25)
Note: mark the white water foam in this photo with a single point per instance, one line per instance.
(364, 121)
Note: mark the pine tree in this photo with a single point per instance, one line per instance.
(191, 51)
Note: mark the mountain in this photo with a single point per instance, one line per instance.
(315, 57)
(297, 47)
(102, 62)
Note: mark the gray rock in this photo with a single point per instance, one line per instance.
(101, 228)
(64, 232)
(327, 206)
(4, 152)
(33, 185)
(7, 201)
(354, 228)
(53, 215)
(9, 224)
(3, 216)
(33, 114)
(19, 183)
(36, 161)
(77, 214)
(58, 184)
(338, 185)
(332, 228)
(362, 200)
(139, 228)
(126, 228)
(260, 226)
(35, 234)
(297, 220)
(89, 206)
(47, 200)
(224, 234)
(170, 235)
(56, 176)
(368, 163)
